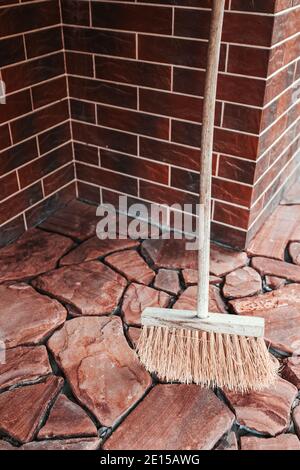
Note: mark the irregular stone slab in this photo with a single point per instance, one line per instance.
(22, 409)
(76, 220)
(167, 280)
(296, 419)
(96, 248)
(223, 261)
(33, 253)
(287, 295)
(67, 419)
(274, 282)
(187, 300)
(92, 288)
(274, 267)
(137, 298)
(24, 365)
(282, 442)
(291, 370)
(190, 277)
(280, 309)
(267, 411)
(102, 370)
(190, 418)
(228, 442)
(281, 228)
(4, 445)
(65, 444)
(242, 283)
(170, 254)
(294, 251)
(133, 334)
(132, 266)
(27, 317)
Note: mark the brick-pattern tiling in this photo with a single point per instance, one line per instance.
(134, 93)
(136, 72)
(36, 157)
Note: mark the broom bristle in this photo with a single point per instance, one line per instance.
(238, 363)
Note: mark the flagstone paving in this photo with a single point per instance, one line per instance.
(70, 307)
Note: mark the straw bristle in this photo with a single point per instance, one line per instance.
(237, 363)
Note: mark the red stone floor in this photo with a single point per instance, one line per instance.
(70, 309)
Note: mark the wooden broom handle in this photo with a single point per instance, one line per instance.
(206, 155)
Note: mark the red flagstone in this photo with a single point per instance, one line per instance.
(274, 267)
(296, 419)
(137, 297)
(33, 253)
(132, 266)
(133, 335)
(294, 251)
(186, 418)
(190, 277)
(291, 369)
(282, 442)
(228, 442)
(76, 220)
(187, 300)
(91, 288)
(223, 261)
(67, 419)
(64, 444)
(95, 248)
(27, 317)
(167, 280)
(22, 409)
(102, 370)
(24, 365)
(4, 445)
(267, 411)
(242, 283)
(274, 282)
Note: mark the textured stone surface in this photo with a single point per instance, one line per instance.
(242, 283)
(223, 261)
(67, 419)
(294, 251)
(291, 370)
(137, 297)
(67, 444)
(24, 365)
(132, 266)
(228, 442)
(187, 300)
(77, 220)
(282, 442)
(296, 420)
(186, 418)
(22, 409)
(33, 253)
(275, 267)
(171, 254)
(287, 295)
(133, 335)
(273, 237)
(274, 282)
(190, 277)
(102, 370)
(280, 309)
(267, 411)
(91, 288)
(27, 317)
(167, 280)
(4, 445)
(96, 248)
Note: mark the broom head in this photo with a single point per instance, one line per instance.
(226, 351)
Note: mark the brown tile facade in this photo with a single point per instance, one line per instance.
(129, 78)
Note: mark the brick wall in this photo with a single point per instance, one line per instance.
(36, 159)
(135, 75)
(136, 72)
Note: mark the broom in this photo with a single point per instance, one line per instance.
(208, 349)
